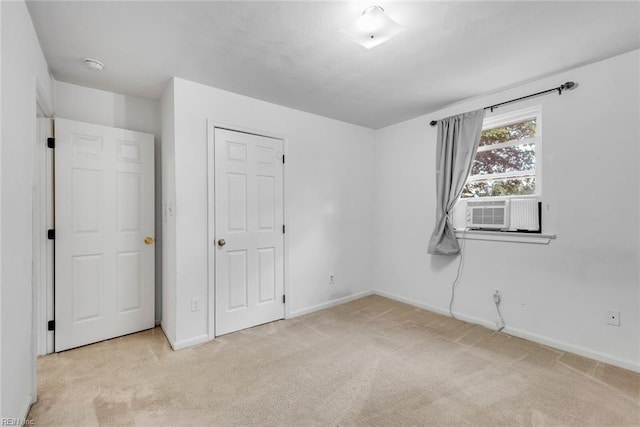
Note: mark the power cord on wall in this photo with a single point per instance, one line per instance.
(457, 279)
(497, 298)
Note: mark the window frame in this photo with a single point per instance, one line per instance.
(504, 119)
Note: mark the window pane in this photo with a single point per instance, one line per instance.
(500, 187)
(512, 132)
(510, 159)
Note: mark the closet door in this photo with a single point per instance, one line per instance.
(249, 261)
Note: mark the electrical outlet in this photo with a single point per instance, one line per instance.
(195, 304)
(332, 279)
(613, 317)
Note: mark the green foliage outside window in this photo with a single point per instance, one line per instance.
(505, 187)
(516, 158)
(511, 132)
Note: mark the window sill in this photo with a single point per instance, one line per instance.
(501, 236)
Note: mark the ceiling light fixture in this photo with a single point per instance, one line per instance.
(373, 28)
(93, 64)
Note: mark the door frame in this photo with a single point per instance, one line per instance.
(41, 276)
(43, 285)
(211, 219)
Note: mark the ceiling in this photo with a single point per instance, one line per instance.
(293, 53)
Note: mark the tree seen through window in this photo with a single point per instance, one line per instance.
(505, 163)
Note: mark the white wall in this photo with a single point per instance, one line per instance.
(23, 70)
(106, 108)
(111, 109)
(557, 294)
(328, 200)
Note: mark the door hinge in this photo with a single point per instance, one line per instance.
(51, 325)
(283, 159)
(51, 142)
(284, 299)
(282, 228)
(51, 234)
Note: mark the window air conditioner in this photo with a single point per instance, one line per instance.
(512, 214)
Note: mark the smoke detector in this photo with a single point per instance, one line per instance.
(93, 64)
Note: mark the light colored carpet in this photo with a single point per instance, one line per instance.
(369, 362)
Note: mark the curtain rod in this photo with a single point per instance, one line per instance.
(566, 86)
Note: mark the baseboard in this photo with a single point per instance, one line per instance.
(179, 345)
(460, 316)
(560, 345)
(328, 304)
(169, 338)
(550, 342)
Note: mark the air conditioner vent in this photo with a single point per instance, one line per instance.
(488, 214)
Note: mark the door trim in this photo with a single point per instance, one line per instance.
(211, 288)
(43, 247)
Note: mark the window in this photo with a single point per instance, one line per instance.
(505, 164)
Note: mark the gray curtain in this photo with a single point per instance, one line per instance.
(458, 139)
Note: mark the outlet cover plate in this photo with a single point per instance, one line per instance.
(613, 317)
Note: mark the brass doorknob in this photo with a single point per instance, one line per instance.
(148, 240)
(221, 242)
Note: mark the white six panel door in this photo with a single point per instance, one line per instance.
(104, 203)
(249, 262)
